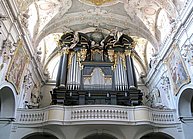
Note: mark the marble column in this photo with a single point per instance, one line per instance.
(130, 70)
(63, 77)
(134, 74)
(62, 69)
(59, 71)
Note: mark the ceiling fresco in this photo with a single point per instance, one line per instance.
(149, 22)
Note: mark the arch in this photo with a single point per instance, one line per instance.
(38, 135)
(41, 131)
(7, 101)
(87, 131)
(156, 135)
(52, 66)
(185, 103)
(100, 136)
(185, 98)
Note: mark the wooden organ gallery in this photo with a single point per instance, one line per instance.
(94, 69)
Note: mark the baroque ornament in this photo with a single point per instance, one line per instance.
(99, 2)
(187, 53)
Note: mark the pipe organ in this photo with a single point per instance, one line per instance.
(94, 69)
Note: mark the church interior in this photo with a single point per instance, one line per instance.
(96, 69)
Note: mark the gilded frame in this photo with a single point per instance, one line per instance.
(17, 66)
(177, 69)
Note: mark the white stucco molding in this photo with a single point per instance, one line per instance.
(101, 17)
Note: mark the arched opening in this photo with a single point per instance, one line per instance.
(157, 136)
(7, 103)
(40, 136)
(100, 136)
(185, 109)
(7, 111)
(186, 103)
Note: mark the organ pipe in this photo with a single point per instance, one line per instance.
(120, 80)
(125, 78)
(122, 71)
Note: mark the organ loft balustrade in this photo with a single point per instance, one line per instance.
(96, 68)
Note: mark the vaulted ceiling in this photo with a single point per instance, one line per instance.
(148, 21)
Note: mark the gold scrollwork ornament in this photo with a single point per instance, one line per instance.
(70, 58)
(123, 60)
(83, 54)
(111, 55)
(115, 60)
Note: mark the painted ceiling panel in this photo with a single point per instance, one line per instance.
(148, 21)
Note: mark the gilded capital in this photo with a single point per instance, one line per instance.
(127, 52)
(134, 43)
(60, 53)
(133, 54)
(65, 51)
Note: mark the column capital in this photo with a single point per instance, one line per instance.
(128, 52)
(65, 50)
(133, 44)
